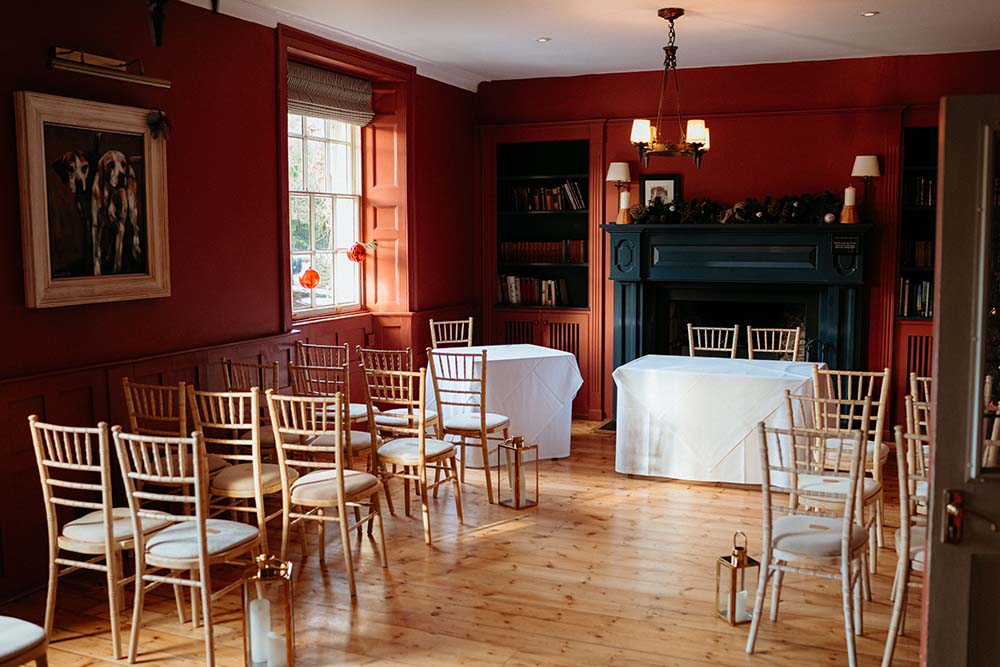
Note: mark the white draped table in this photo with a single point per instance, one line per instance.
(694, 418)
(531, 385)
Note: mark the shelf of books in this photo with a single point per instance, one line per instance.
(542, 224)
(915, 295)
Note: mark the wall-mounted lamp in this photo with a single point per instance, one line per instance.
(618, 173)
(74, 60)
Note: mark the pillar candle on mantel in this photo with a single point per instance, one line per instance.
(850, 195)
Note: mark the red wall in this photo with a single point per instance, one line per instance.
(222, 183)
(776, 129)
(445, 222)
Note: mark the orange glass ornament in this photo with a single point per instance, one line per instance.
(309, 278)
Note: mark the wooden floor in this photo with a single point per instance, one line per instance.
(608, 570)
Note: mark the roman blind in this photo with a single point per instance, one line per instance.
(321, 93)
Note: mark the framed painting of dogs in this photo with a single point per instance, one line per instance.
(93, 185)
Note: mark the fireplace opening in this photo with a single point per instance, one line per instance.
(727, 305)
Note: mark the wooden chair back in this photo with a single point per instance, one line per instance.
(229, 422)
(784, 343)
(451, 333)
(713, 339)
(920, 388)
(385, 360)
(297, 421)
(459, 380)
(323, 382)
(787, 454)
(74, 467)
(311, 354)
(244, 375)
(164, 461)
(155, 409)
(402, 390)
(834, 416)
(856, 386)
(913, 464)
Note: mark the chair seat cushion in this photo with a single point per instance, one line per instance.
(836, 485)
(320, 487)
(469, 421)
(390, 418)
(90, 527)
(359, 440)
(238, 479)
(918, 545)
(406, 451)
(814, 537)
(18, 637)
(181, 539)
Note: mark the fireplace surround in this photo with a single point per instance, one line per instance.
(814, 273)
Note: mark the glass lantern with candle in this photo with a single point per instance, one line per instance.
(268, 624)
(736, 583)
(523, 491)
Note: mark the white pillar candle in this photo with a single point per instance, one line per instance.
(740, 612)
(850, 195)
(277, 653)
(624, 199)
(260, 626)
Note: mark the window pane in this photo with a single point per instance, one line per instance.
(298, 222)
(301, 297)
(294, 164)
(294, 124)
(337, 130)
(316, 164)
(340, 165)
(347, 222)
(347, 280)
(314, 127)
(322, 222)
(323, 293)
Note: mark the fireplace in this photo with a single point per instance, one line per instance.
(720, 275)
(674, 306)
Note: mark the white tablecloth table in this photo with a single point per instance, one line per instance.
(531, 385)
(694, 418)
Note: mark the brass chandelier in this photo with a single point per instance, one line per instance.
(648, 138)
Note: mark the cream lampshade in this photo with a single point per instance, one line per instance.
(618, 173)
(696, 131)
(642, 132)
(866, 166)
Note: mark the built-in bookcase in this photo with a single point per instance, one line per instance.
(542, 214)
(916, 242)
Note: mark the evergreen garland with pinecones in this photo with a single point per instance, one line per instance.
(804, 209)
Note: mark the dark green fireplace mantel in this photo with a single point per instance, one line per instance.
(827, 257)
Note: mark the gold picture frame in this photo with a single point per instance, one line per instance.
(93, 187)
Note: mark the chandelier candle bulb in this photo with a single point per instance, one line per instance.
(696, 131)
(641, 131)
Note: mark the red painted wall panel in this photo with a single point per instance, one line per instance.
(221, 180)
(443, 234)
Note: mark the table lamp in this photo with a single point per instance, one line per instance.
(618, 174)
(866, 168)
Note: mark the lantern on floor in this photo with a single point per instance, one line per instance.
(523, 491)
(735, 583)
(268, 625)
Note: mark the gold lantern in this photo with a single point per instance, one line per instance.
(736, 583)
(522, 493)
(268, 624)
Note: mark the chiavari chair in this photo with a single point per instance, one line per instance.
(192, 543)
(856, 386)
(312, 354)
(230, 423)
(799, 539)
(386, 421)
(411, 450)
(784, 343)
(459, 381)
(307, 429)
(74, 465)
(713, 339)
(451, 333)
(22, 642)
(920, 388)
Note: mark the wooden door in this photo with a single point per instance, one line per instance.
(962, 586)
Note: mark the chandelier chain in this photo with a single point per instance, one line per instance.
(670, 64)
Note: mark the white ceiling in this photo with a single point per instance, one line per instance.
(464, 42)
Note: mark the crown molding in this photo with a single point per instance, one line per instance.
(254, 12)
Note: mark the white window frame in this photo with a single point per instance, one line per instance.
(339, 247)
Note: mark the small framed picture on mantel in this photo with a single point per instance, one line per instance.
(666, 187)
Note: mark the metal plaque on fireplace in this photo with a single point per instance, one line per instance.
(846, 244)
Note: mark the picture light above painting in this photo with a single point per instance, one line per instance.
(93, 186)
